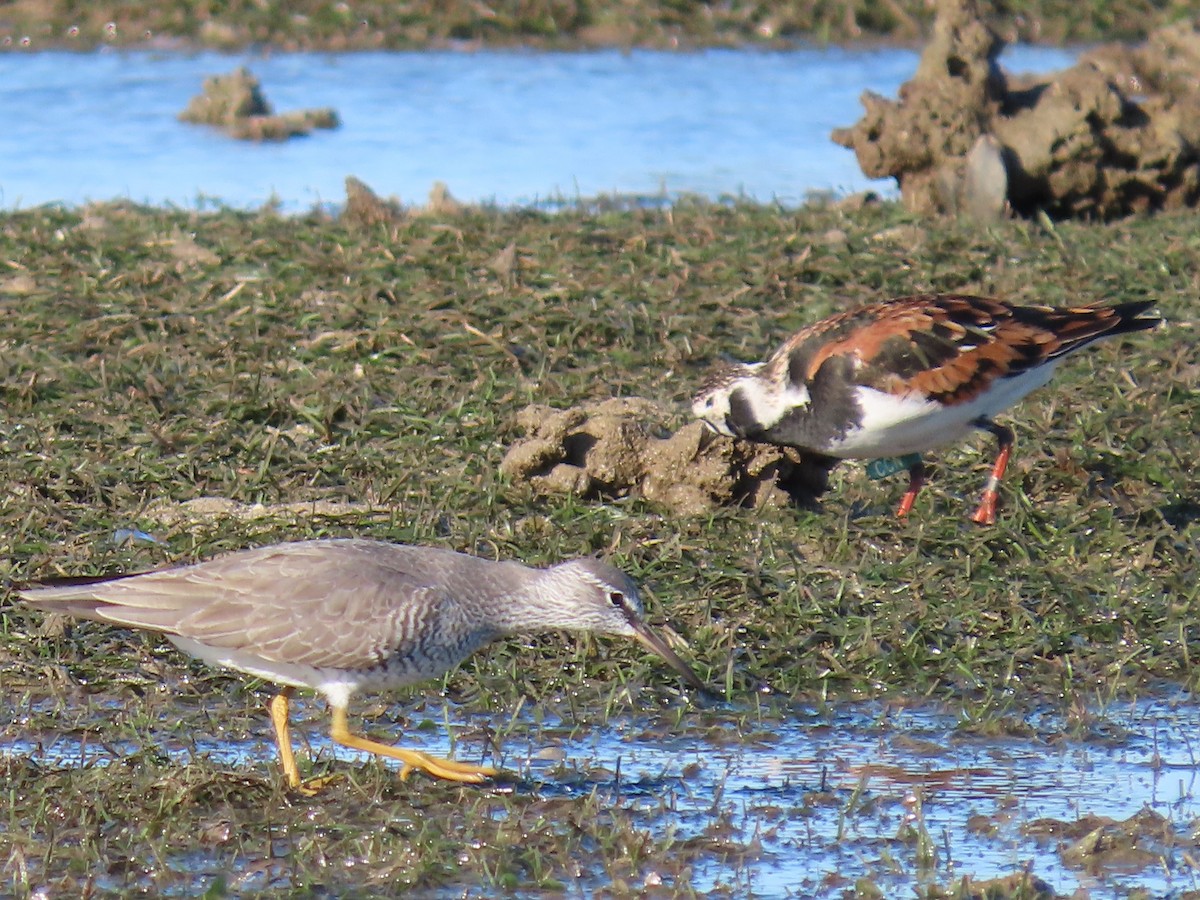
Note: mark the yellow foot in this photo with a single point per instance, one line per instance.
(446, 769)
(314, 786)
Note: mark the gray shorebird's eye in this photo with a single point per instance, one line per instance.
(617, 599)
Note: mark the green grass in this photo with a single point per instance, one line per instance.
(310, 362)
(550, 23)
(305, 360)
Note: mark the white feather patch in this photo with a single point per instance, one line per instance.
(336, 686)
(768, 404)
(897, 425)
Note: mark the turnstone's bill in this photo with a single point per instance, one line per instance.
(904, 376)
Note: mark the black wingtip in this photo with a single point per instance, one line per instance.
(56, 581)
(1132, 318)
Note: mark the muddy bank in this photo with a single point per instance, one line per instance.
(620, 447)
(1116, 134)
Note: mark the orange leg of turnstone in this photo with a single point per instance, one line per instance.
(916, 480)
(986, 513)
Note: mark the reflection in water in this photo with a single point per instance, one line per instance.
(837, 792)
(510, 127)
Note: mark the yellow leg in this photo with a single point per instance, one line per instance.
(283, 739)
(446, 769)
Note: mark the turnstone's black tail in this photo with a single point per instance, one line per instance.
(1077, 326)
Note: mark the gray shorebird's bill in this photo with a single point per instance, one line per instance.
(655, 644)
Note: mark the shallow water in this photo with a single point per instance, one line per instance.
(830, 795)
(510, 127)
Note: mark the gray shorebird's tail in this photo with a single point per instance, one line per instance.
(73, 596)
(100, 599)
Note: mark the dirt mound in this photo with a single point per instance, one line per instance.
(1116, 134)
(619, 447)
(367, 209)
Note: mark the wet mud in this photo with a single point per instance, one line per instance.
(862, 800)
(1097, 844)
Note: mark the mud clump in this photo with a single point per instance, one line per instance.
(365, 208)
(235, 103)
(1022, 886)
(1116, 134)
(1098, 844)
(620, 447)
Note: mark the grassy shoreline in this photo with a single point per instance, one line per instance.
(549, 24)
(159, 356)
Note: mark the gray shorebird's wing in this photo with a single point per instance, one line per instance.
(343, 604)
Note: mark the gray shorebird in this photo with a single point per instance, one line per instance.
(340, 616)
(898, 378)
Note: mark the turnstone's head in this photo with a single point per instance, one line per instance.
(720, 403)
(711, 406)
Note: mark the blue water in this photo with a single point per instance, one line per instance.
(509, 127)
(821, 793)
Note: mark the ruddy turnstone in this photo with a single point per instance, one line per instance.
(901, 377)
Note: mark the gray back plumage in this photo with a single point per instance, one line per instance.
(349, 604)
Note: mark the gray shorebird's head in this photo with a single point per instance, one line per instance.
(600, 598)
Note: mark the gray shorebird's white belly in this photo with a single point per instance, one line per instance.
(898, 425)
(336, 685)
